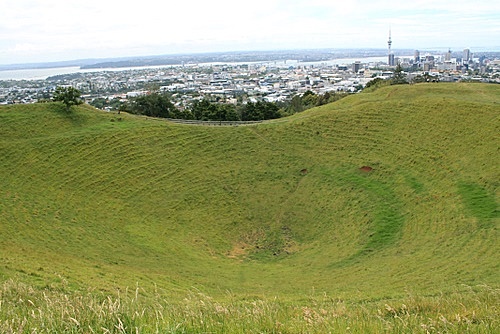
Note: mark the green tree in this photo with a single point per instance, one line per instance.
(209, 111)
(70, 96)
(399, 77)
(323, 99)
(259, 111)
(309, 99)
(154, 105)
(204, 110)
(296, 105)
(426, 77)
(99, 103)
(229, 112)
(373, 82)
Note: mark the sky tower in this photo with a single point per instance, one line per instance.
(390, 55)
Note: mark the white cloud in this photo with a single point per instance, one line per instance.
(40, 30)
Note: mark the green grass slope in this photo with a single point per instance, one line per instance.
(91, 199)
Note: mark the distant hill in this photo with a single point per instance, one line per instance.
(56, 64)
(368, 197)
(225, 57)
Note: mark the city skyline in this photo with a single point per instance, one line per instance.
(44, 31)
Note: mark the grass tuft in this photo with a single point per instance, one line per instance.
(27, 310)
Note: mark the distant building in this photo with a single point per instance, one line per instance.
(356, 66)
(447, 56)
(416, 56)
(448, 65)
(467, 56)
(136, 93)
(391, 60)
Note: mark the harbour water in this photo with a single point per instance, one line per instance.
(44, 73)
(36, 74)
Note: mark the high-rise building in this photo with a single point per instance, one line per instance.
(391, 60)
(447, 56)
(356, 66)
(390, 55)
(416, 56)
(467, 55)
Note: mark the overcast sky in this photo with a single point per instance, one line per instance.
(54, 30)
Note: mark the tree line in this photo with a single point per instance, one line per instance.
(159, 104)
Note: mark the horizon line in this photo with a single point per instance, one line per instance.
(5, 66)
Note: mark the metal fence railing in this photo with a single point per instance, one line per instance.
(211, 123)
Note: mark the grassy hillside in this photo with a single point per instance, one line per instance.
(105, 201)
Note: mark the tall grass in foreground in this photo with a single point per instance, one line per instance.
(24, 309)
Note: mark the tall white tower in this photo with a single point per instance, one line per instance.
(389, 42)
(390, 55)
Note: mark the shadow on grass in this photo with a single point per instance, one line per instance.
(72, 113)
(385, 228)
(479, 203)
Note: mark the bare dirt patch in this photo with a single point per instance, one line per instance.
(366, 169)
(240, 250)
